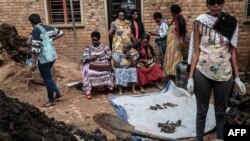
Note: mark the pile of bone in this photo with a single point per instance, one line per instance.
(164, 106)
(169, 127)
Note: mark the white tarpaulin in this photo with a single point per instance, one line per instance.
(135, 110)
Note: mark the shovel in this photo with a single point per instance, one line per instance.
(117, 126)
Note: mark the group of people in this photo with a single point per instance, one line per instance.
(212, 56)
(132, 59)
(128, 64)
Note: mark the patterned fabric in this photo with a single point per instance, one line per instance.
(92, 78)
(209, 22)
(214, 60)
(173, 53)
(122, 34)
(125, 74)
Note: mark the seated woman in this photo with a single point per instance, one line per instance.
(96, 61)
(147, 70)
(124, 62)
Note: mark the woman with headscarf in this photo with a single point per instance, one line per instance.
(147, 70)
(120, 31)
(175, 40)
(213, 65)
(96, 61)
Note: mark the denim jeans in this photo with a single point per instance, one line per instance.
(162, 43)
(45, 71)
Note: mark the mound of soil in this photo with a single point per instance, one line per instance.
(239, 114)
(15, 45)
(24, 122)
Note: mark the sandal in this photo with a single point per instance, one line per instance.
(49, 104)
(88, 96)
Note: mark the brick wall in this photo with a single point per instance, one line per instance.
(191, 9)
(16, 12)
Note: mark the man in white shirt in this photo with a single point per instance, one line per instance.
(161, 33)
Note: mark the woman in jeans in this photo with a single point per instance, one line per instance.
(213, 64)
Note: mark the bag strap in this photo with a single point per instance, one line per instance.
(41, 28)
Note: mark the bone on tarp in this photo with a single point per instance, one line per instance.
(169, 127)
(165, 106)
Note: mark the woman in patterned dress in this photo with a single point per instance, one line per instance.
(124, 62)
(175, 40)
(96, 61)
(120, 31)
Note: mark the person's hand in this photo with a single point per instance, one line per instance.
(240, 85)
(156, 58)
(127, 56)
(93, 58)
(190, 85)
(151, 33)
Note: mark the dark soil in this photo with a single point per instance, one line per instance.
(239, 114)
(12, 43)
(24, 122)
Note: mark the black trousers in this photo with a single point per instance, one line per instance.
(221, 89)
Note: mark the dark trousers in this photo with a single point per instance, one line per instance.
(162, 43)
(221, 89)
(45, 71)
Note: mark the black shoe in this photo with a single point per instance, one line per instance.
(49, 104)
(58, 96)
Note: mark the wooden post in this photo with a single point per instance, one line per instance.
(74, 30)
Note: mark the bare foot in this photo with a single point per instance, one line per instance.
(133, 88)
(142, 90)
(120, 90)
(134, 91)
(158, 86)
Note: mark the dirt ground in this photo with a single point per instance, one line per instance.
(18, 82)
